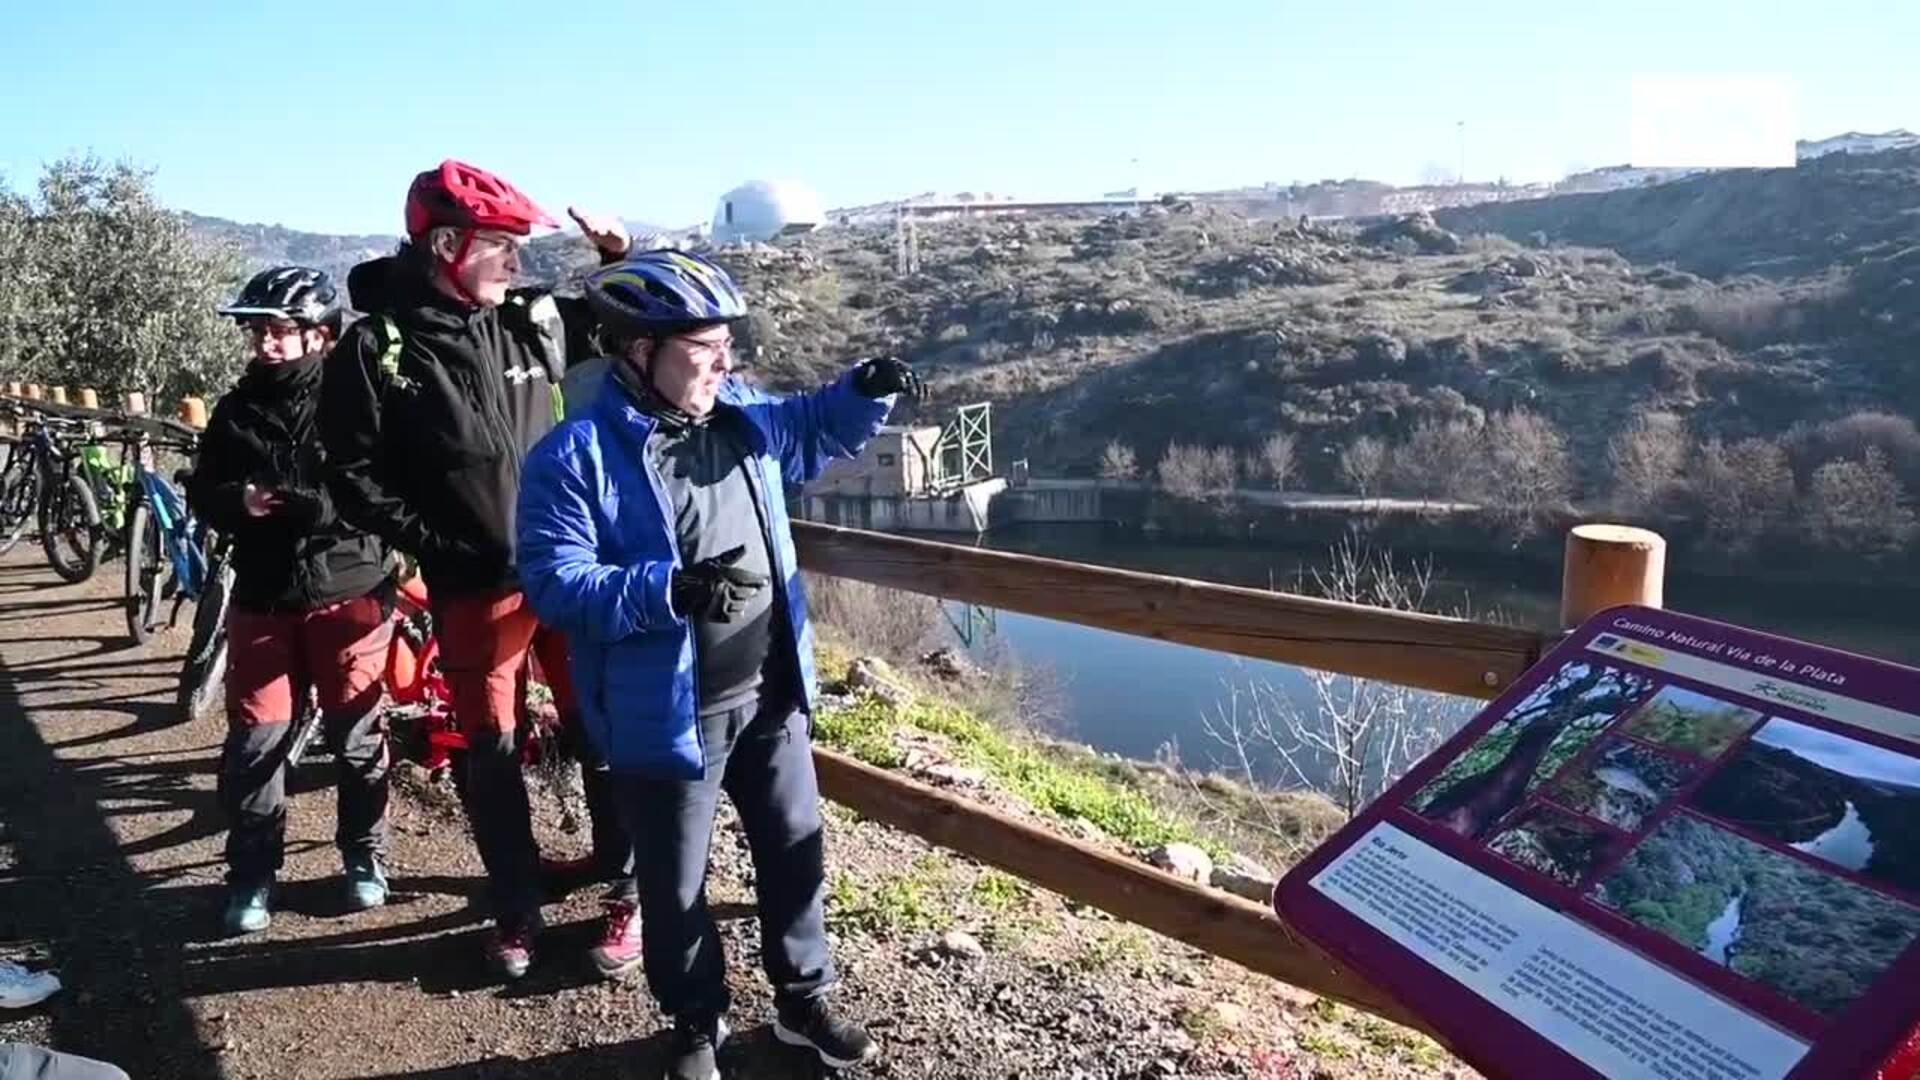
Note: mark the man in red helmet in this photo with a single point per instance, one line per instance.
(427, 407)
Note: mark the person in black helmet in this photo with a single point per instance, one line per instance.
(305, 609)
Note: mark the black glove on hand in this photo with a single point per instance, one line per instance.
(304, 505)
(878, 378)
(714, 589)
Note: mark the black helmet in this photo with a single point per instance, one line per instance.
(297, 293)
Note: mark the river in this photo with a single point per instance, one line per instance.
(1848, 843)
(1724, 930)
(1130, 695)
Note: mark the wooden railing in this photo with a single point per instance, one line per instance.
(1431, 652)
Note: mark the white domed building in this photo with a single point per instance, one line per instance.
(763, 209)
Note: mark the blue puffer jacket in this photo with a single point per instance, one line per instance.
(597, 551)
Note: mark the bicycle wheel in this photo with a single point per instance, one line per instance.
(18, 499)
(203, 679)
(69, 530)
(148, 571)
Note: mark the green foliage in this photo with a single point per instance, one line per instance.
(898, 904)
(1000, 892)
(1690, 722)
(102, 286)
(863, 728)
(1816, 938)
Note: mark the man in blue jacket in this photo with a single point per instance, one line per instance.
(653, 532)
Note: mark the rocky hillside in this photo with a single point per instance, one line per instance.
(1202, 326)
(1743, 302)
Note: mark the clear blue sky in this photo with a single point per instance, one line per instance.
(317, 114)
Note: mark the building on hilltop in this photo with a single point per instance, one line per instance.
(760, 210)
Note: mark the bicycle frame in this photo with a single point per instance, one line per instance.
(178, 530)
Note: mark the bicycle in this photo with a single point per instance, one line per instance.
(203, 675)
(166, 550)
(61, 499)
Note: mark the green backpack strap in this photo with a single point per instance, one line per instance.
(390, 349)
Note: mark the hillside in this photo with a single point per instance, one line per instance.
(1744, 303)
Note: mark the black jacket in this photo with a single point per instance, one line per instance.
(264, 432)
(428, 457)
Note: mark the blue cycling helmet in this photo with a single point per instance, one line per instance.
(657, 293)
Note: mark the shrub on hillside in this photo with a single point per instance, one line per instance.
(1742, 492)
(1646, 461)
(1851, 437)
(1858, 507)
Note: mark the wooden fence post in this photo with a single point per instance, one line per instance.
(193, 412)
(89, 398)
(15, 389)
(136, 404)
(33, 392)
(57, 394)
(1608, 565)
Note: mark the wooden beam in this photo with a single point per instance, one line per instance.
(1452, 656)
(1221, 924)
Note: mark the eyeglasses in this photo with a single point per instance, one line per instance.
(498, 241)
(270, 328)
(707, 351)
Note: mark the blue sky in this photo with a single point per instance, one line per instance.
(316, 115)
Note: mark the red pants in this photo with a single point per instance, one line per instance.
(484, 642)
(340, 650)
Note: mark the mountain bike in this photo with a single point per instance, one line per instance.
(58, 491)
(203, 675)
(166, 550)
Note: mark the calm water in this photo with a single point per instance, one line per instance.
(1130, 695)
(1848, 843)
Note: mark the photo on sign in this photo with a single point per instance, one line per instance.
(1526, 747)
(1813, 937)
(1847, 802)
(1622, 784)
(1692, 722)
(1555, 843)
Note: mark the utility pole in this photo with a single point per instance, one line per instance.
(1461, 127)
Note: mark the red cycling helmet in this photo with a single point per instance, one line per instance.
(463, 196)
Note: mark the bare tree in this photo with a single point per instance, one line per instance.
(1117, 462)
(1347, 738)
(1222, 469)
(1362, 462)
(1647, 460)
(1275, 460)
(1440, 461)
(1859, 507)
(1527, 470)
(1743, 492)
(1183, 471)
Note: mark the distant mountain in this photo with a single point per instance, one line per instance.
(260, 246)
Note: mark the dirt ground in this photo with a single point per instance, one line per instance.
(110, 871)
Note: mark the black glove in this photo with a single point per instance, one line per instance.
(304, 505)
(878, 378)
(714, 589)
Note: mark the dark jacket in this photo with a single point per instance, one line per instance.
(264, 432)
(428, 457)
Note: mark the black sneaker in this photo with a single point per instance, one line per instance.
(691, 1048)
(807, 1022)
